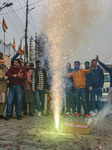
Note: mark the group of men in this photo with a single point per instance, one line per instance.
(20, 86)
(85, 85)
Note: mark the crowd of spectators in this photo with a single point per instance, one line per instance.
(23, 88)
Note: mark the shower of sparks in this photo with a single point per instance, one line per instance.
(63, 24)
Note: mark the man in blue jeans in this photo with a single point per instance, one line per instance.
(39, 83)
(79, 81)
(17, 75)
(95, 83)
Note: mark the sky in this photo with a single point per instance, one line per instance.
(15, 19)
(91, 26)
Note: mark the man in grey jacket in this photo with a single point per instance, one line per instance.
(3, 87)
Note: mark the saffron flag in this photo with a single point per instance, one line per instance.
(20, 51)
(14, 44)
(4, 26)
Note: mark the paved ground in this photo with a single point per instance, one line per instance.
(38, 133)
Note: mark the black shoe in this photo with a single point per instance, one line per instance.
(25, 114)
(31, 114)
(7, 117)
(19, 117)
(2, 117)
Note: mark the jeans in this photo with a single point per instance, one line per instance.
(96, 92)
(15, 93)
(81, 93)
(70, 100)
(40, 99)
(88, 99)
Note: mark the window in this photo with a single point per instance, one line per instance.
(106, 78)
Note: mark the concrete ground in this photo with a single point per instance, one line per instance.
(38, 133)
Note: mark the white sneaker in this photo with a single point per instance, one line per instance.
(67, 113)
(100, 114)
(93, 114)
(39, 114)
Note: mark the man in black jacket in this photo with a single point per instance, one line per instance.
(95, 83)
(109, 70)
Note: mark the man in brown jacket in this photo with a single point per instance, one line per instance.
(3, 87)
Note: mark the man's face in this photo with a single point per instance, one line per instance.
(68, 66)
(16, 64)
(27, 66)
(87, 65)
(38, 65)
(32, 67)
(77, 65)
(1, 63)
(94, 64)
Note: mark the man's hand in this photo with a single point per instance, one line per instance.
(33, 89)
(90, 88)
(30, 81)
(15, 75)
(5, 77)
(19, 75)
(97, 57)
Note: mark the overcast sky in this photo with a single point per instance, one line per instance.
(97, 38)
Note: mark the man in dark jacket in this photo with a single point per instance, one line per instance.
(95, 83)
(109, 70)
(39, 83)
(17, 75)
(87, 66)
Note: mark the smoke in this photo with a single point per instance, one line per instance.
(105, 112)
(66, 23)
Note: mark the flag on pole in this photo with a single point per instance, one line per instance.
(20, 51)
(23, 52)
(4, 26)
(14, 44)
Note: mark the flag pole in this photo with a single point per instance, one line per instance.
(4, 42)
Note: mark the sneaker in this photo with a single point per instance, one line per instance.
(19, 117)
(2, 117)
(77, 114)
(100, 114)
(12, 116)
(22, 115)
(67, 113)
(86, 115)
(31, 114)
(39, 114)
(7, 117)
(93, 114)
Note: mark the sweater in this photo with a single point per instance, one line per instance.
(16, 81)
(79, 77)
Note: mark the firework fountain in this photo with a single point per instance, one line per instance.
(64, 23)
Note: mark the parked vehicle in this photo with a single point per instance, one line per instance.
(106, 86)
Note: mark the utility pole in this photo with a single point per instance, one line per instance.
(26, 32)
(30, 50)
(35, 48)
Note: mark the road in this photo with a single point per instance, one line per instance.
(38, 133)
